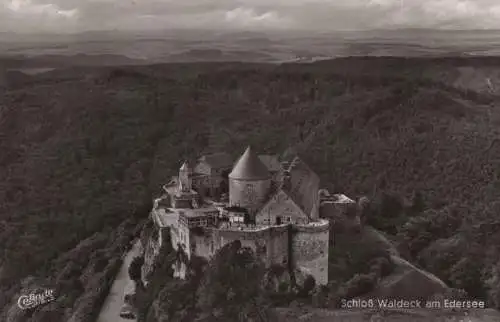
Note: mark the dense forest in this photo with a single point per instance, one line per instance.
(84, 149)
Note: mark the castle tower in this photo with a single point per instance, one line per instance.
(249, 182)
(185, 178)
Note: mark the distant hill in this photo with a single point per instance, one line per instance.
(57, 61)
(217, 55)
(205, 45)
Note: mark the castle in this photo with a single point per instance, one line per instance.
(270, 206)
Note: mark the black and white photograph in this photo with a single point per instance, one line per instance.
(250, 161)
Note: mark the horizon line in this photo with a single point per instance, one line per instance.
(262, 31)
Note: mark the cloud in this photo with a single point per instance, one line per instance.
(249, 18)
(26, 15)
(28, 9)
(80, 15)
(467, 14)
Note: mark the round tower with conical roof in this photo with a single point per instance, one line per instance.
(249, 182)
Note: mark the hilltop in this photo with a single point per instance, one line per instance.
(85, 148)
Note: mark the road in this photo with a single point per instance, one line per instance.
(110, 311)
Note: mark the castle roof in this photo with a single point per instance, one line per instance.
(271, 162)
(249, 167)
(303, 185)
(235, 209)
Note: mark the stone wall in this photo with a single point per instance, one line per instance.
(149, 259)
(271, 244)
(310, 250)
(180, 270)
(183, 238)
(203, 243)
(306, 245)
(164, 218)
(181, 202)
(163, 236)
(334, 210)
(239, 194)
(278, 246)
(344, 216)
(316, 206)
(185, 180)
(200, 180)
(150, 252)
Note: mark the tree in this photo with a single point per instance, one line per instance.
(134, 269)
(232, 288)
(382, 266)
(309, 285)
(391, 206)
(415, 235)
(491, 277)
(160, 277)
(364, 208)
(417, 204)
(466, 274)
(358, 285)
(386, 214)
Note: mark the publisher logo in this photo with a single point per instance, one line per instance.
(32, 300)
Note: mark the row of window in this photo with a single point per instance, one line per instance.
(278, 220)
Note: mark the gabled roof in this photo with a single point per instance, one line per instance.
(218, 160)
(249, 167)
(271, 162)
(303, 185)
(274, 195)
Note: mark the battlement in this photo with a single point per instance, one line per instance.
(313, 227)
(250, 232)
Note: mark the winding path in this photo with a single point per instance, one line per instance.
(110, 311)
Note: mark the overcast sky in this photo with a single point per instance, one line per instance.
(82, 15)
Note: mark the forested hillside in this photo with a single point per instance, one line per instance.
(84, 149)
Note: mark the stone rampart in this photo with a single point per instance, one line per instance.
(310, 250)
(269, 244)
